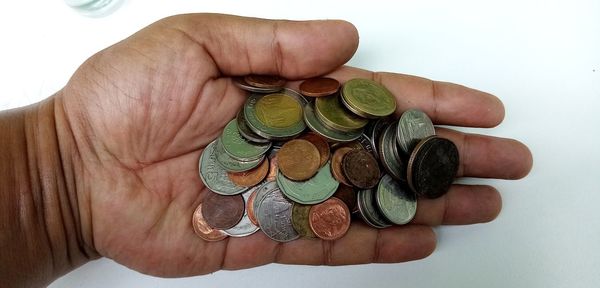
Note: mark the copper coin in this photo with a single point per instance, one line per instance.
(222, 212)
(298, 159)
(348, 195)
(250, 206)
(273, 167)
(361, 169)
(330, 220)
(203, 230)
(251, 177)
(265, 81)
(318, 87)
(336, 165)
(300, 220)
(432, 166)
(321, 145)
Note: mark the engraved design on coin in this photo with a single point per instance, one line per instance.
(413, 126)
(275, 217)
(238, 147)
(330, 220)
(278, 110)
(369, 98)
(397, 203)
(213, 175)
(203, 230)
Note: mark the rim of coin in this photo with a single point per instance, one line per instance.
(390, 163)
(413, 126)
(329, 220)
(265, 81)
(231, 164)
(242, 84)
(330, 111)
(261, 192)
(441, 167)
(398, 204)
(251, 177)
(312, 191)
(320, 143)
(274, 216)
(298, 159)
(203, 230)
(222, 212)
(367, 97)
(300, 220)
(245, 131)
(273, 165)
(368, 210)
(250, 204)
(374, 131)
(295, 94)
(213, 175)
(361, 169)
(238, 147)
(316, 126)
(319, 87)
(336, 165)
(273, 133)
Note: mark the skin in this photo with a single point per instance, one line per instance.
(107, 167)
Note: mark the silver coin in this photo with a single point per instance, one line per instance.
(318, 127)
(413, 126)
(245, 131)
(231, 164)
(245, 227)
(262, 191)
(373, 132)
(396, 202)
(366, 143)
(213, 175)
(242, 84)
(274, 216)
(368, 211)
(388, 154)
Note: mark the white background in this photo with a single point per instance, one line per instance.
(542, 58)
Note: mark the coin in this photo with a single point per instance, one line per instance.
(329, 220)
(348, 195)
(336, 165)
(265, 81)
(388, 154)
(274, 216)
(203, 230)
(273, 165)
(433, 165)
(396, 202)
(213, 175)
(368, 210)
(274, 116)
(261, 192)
(373, 132)
(238, 147)
(318, 87)
(233, 165)
(332, 114)
(295, 95)
(300, 220)
(242, 84)
(245, 227)
(245, 131)
(250, 204)
(413, 126)
(222, 212)
(251, 177)
(298, 159)
(361, 169)
(321, 145)
(330, 134)
(314, 190)
(368, 98)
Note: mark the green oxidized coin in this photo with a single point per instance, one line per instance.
(300, 220)
(331, 113)
(368, 98)
(396, 202)
(212, 174)
(238, 147)
(231, 164)
(265, 119)
(333, 135)
(312, 191)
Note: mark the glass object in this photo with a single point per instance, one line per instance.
(94, 8)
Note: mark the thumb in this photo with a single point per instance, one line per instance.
(292, 49)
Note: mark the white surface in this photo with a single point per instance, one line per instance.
(542, 58)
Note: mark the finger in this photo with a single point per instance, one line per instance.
(463, 204)
(445, 103)
(488, 156)
(360, 245)
(292, 49)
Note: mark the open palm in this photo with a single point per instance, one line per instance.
(141, 112)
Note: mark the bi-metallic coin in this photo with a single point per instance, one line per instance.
(274, 116)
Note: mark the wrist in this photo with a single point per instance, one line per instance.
(44, 234)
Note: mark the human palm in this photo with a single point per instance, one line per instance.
(141, 112)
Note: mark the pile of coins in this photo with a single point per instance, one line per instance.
(267, 172)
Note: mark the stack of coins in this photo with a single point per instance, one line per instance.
(267, 172)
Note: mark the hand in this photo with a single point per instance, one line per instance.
(141, 111)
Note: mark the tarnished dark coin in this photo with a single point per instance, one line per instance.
(318, 87)
(348, 195)
(222, 212)
(432, 167)
(203, 230)
(336, 165)
(265, 81)
(361, 169)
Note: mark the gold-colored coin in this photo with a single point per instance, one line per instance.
(278, 110)
(331, 113)
(298, 160)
